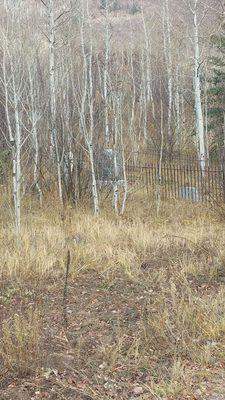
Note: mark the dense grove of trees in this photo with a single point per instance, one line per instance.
(78, 76)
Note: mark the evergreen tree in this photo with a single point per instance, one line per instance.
(216, 91)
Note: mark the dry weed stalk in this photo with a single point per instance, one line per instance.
(65, 291)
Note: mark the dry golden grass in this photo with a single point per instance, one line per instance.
(19, 344)
(107, 242)
(177, 258)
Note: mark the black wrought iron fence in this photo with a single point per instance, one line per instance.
(178, 178)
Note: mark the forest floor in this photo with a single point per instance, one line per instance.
(145, 304)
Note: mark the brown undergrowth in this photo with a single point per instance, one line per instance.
(145, 303)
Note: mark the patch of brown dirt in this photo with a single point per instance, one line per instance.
(98, 355)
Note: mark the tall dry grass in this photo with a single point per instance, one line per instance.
(178, 257)
(106, 242)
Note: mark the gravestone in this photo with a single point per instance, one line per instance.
(107, 173)
(189, 193)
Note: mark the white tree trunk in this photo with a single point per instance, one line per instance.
(131, 124)
(87, 101)
(106, 74)
(177, 107)
(115, 152)
(159, 178)
(93, 177)
(197, 91)
(12, 94)
(206, 122)
(52, 81)
(168, 57)
(17, 177)
(143, 101)
(148, 67)
(124, 201)
(52, 74)
(34, 133)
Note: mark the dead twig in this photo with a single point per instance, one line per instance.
(65, 291)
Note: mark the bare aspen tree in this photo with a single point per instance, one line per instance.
(177, 105)
(149, 90)
(76, 126)
(146, 95)
(133, 96)
(182, 104)
(85, 106)
(35, 115)
(143, 101)
(133, 99)
(197, 88)
(17, 174)
(13, 86)
(52, 72)
(140, 108)
(118, 142)
(120, 105)
(159, 177)
(205, 113)
(168, 58)
(54, 150)
(66, 126)
(115, 151)
(106, 71)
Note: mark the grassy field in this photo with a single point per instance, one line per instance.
(141, 316)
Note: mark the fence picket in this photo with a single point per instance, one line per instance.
(177, 173)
